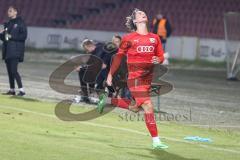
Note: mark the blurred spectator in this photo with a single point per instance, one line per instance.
(162, 27)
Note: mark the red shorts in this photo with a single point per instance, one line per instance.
(139, 81)
(140, 89)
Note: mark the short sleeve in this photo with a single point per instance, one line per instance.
(124, 46)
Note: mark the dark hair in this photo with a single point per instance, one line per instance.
(14, 7)
(129, 21)
(118, 37)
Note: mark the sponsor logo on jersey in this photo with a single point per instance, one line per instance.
(145, 49)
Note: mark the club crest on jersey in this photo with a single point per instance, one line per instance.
(152, 40)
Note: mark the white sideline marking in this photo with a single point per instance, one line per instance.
(122, 129)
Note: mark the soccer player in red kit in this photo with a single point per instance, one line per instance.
(143, 50)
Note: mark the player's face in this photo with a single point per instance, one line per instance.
(12, 13)
(89, 48)
(140, 17)
(159, 16)
(116, 41)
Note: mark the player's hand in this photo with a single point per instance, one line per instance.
(77, 69)
(1, 30)
(104, 66)
(155, 60)
(109, 80)
(9, 36)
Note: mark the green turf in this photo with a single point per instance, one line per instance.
(29, 130)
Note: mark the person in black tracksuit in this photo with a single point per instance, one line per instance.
(97, 51)
(120, 77)
(13, 36)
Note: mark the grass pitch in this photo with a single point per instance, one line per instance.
(29, 130)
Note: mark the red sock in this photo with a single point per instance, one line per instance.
(151, 124)
(121, 102)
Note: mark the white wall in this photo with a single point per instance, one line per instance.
(178, 47)
(191, 48)
(63, 38)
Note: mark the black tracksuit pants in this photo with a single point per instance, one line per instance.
(12, 69)
(85, 89)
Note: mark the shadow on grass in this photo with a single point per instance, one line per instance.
(24, 98)
(154, 154)
(164, 155)
(124, 147)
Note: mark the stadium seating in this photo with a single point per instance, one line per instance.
(202, 18)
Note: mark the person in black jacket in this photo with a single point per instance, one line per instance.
(96, 50)
(13, 36)
(122, 72)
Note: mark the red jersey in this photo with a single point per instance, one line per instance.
(141, 48)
